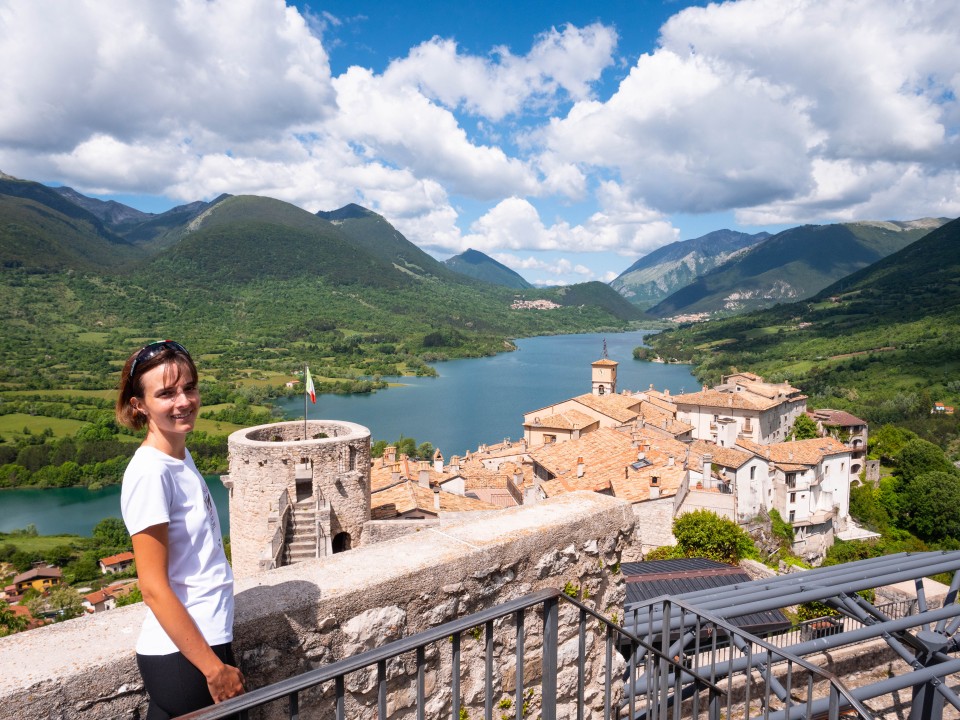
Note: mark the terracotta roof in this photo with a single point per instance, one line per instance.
(382, 472)
(717, 399)
(117, 559)
(622, 408)
(724, 456)
(408, 496)
(840, 418)
(569, 420)
(797, 452)
(608, 455)
(605, 361)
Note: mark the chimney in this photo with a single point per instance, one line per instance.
(390, 455)
(395, 472)
(579, 467)
(424, 474)
(670, 461)
(705, 388)
(654, 488)
(666, 391)
(707, 467)
(438, 462)
(436, 499)
(455, 465)
(517, 478)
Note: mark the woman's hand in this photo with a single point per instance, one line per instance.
(225, 683)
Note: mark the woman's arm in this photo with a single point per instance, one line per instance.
(151, 549)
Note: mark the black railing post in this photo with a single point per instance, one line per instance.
(488, 672)
(518, 690)
(581, 662)
(455, 677)
(382, 689)
(421, 663)
(548, 683)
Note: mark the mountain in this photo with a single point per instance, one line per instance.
(247, 238)
(371, 233)
(480, 266)
(792, 265)
(595, 294)
(883, 342)
(42, 230)
(654, 277)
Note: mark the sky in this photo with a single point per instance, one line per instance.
(564, 139)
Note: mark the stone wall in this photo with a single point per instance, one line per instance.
(654, 528)
(263, 463)
(306, 615)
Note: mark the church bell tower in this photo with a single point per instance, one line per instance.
(604, 374)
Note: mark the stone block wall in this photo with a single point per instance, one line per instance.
(263, 463)
(304, 616)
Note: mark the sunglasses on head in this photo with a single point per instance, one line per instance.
(155, 348)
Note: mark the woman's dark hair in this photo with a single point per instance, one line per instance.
(131, 377)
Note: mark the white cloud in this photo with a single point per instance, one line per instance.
(144, 71)
(569, 59)
(749, 104)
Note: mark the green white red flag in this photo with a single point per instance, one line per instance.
(311, 391)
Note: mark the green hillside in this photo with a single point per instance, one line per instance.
(254, 286)
(792, 265)
(374, 235)
(480, 266)
(884, 341)
(41, 230)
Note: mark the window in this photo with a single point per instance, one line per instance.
(793, 497)
(753, 472)
(548, 439)
(793, 515)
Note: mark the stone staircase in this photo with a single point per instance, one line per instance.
(301, 541)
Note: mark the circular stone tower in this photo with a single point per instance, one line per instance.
(296, 495)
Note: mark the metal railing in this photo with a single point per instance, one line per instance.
(271, 558)
(759, 680)
(330, 691)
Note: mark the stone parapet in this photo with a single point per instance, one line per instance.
(306, 615)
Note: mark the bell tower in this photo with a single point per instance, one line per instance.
(604, 374)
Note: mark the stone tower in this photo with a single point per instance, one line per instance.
(280, 480)
(604, 376)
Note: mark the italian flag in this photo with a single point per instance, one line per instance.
(311, 391)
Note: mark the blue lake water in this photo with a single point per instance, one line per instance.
(472, 402)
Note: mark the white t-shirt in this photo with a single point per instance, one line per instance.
(157, 489)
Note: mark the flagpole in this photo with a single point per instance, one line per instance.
(305, 401)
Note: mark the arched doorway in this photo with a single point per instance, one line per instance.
(341, 542)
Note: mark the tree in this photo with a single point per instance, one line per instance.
(918, 457)
(111, 532)
(10, 622)
(134, 596)
(702, 533)
(65, 602)
(929, 506)
(887, 442)
(804, 428)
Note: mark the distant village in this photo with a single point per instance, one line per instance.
(724, 449)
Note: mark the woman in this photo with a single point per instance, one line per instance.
(183, 652)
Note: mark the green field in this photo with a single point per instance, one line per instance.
(16, 422)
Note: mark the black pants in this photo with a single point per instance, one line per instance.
(174, 684)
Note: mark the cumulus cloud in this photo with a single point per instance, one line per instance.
(570, 59)
(784, 111)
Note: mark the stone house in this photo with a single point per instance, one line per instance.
(38, 578)
(811, 489)
(116, 563)
(848, 429)
(742, 406)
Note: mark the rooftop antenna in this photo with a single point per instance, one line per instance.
(605, 356)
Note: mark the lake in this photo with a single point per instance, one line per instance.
(471, 402)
